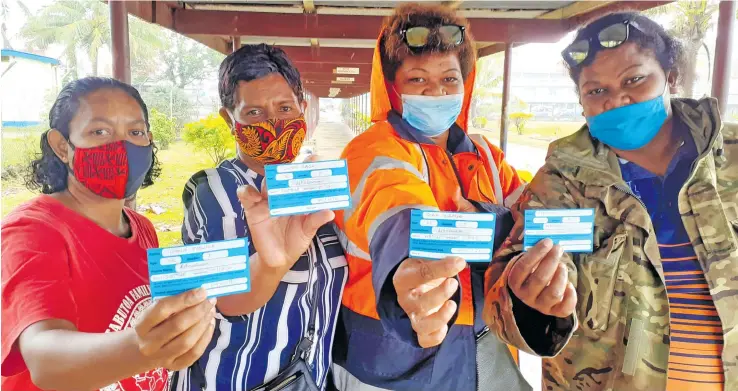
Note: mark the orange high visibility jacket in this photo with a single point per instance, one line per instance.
(392, 170)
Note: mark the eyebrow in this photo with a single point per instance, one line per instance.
(453, 70)
(628, 68)
(109, 122)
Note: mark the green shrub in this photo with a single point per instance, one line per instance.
(520, 119)
(480, 122)
(212, 136)
(163, 128)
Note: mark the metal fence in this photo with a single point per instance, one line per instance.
(356, 113)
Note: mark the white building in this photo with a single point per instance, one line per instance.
(26, 81)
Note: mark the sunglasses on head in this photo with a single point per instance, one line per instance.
(608, 37)
(417, 37)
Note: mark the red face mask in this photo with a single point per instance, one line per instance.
(116, 170)
(272, 141)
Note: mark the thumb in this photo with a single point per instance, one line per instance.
(313, 158)
(248, 196)
(312, 222)
(463, 205)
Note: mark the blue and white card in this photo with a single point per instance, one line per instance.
(436, 235)
(572, 229)
(301, 188)
(222, 268)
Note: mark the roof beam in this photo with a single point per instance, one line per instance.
(327, 67)
(344, 56)
(358, 79)
(349, 26)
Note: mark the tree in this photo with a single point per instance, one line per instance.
(5, 14)
(691, 21)
(520, 119)
(187, 61)
(162, 127)
(84, 26)
(171, 101)
(212, 136)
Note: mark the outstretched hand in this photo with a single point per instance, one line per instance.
(280, 241)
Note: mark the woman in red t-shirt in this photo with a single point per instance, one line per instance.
(76, 306)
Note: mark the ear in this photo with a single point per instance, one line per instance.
(59, 145)
(227, 118)
(673, 79)
(304, 106)
(151, 136)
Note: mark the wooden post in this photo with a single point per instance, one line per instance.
(121, 54)
(236, 42)
(119, 38)
(723, 49)
(505, 97)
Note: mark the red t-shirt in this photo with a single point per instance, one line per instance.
(57, 264)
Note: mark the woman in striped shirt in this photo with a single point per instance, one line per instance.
(297, 264)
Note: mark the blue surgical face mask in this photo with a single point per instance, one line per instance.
(431, 115)
(631, 127)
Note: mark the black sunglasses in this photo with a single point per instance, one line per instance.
(417, 37)
(608, 37)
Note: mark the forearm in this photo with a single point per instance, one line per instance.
(64, 360)
(264, 282)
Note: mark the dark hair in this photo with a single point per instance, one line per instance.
(652, 36)
(252, 62)
(47, 172)
(394, 50)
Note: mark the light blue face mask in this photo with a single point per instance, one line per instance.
(631, 127)
(431, 115)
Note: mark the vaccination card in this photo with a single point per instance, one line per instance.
(222, 268)
(301, 188)
(572, 229)
(436, 235)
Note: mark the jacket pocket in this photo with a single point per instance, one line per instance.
(596, 284)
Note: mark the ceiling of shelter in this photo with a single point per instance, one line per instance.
(332, 41)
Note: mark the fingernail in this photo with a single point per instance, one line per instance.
(213, 301)
(200, 294)
(452, 284)
(459, 262)
(547, 243)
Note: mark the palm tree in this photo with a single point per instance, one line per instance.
(5, 13)
(691, 21)
(84, 26)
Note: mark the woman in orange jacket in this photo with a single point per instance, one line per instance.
(413, 324)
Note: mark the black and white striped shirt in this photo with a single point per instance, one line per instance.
(247, 351)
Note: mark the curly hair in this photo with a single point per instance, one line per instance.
(668, 50)
(394, 50)
(47, 172)
(252, 62)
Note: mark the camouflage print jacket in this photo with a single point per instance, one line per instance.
(618, 337)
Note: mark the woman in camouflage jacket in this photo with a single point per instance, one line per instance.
(655, 305)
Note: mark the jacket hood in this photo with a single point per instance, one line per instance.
(380, 102)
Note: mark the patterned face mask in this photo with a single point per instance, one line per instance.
(116, 170)
(272, 141)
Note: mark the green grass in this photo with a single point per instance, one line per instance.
(179, 162)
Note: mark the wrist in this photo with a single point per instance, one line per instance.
(141, 362)
(263, 269)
